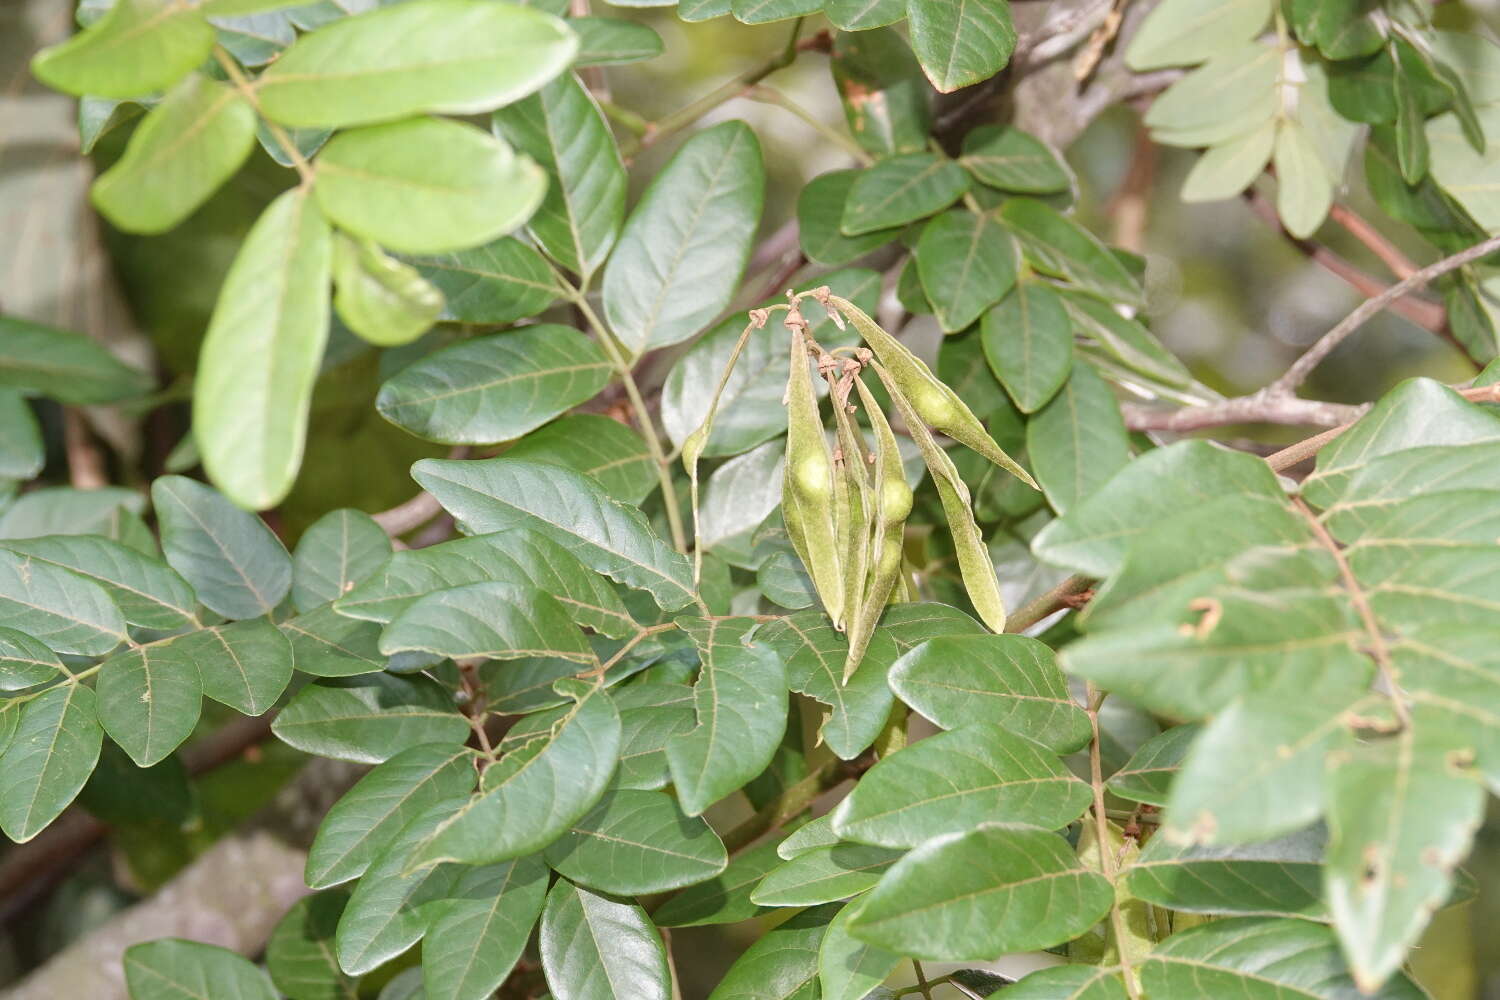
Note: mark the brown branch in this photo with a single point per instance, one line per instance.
(86, 469)
(1257, 408)
(1303, 366)
(1429, 315)
(1363, 230)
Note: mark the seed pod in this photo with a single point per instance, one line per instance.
(933, 402)
(807, 483)
(892, 501)
(854, 498)
(973, 558)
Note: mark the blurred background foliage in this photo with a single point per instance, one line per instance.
(1231, 295)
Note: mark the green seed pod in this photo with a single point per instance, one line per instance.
(854, 499)
(932, 401)
(893, 499)
(807, 493)
(973, 557)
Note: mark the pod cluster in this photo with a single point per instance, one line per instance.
(845, 502)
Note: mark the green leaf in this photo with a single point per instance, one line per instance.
(961, 43)
(1078, 440)
(1028, 341)
(562, 128)
(978, 894)
(188, 145)
(1004, 157)
(955, 781)
(232, 560)
(1279, 878)
(766, 11)
(386, 302)
(139, 46)
(327, 644)
(750, 410)
(597, 446)
(51, 755)
(1401, 817)
(25, 662)
(446, 56)
(594, 948)
(149, 700)
(887, 101)
(519, 556)
(475, 940)
(299, 955)
(848, 968)
(782, 964)
(612, 41)
(495, 388)
(1057, 245)
(426, 185)
(1005, 679)
(1069, 982)
(260, 355)
(389, 909)
(568, 507)
(1184, 32)
(862, 15)
(967, 263)
(1230, 167)
(551, 781)
(740, 698)
(722, 900)
(1341, 29)
(66, 612)
(636, 842)
(815, 653)
(1304, 190)
(1259, 958)
(371, 814)
(498, 283)
(1236, 91)
(651, 713)
(820, 210)
(22, 453)
(1147, 776)
(684, 247)
(64, 366)
(147, 593)
(741, 493)
(824, 875)
(173, 969)
(498, 621)
(901, 189)
(1127, 340)
(369, 719)
(246, 665)
(339, 550)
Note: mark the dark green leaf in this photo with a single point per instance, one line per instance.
(474, 940)
(66, 612)
(636, 842)
(886, 99)
(568, 507)
(497, 621)
(1148, 775)
(963, 43)
(824, 875)
(340, 549)
(370, 718)
(51, 755)
(1078, 440)
(147, 593)
(820, 211)
(1279, 878)
(902, 189)
(551, 781)
(327, 644)
(848, 968)
(1007, 158)
(300, 956)
(495, 388)
(783, 964)
(724, 899)
(149, 700)
(594, 948)
(1028, 341)
(978, 894)
(597, 446)
(651, 714)
(967, 263)
(498, 283)
(173, 969)
(65, 366)
(233, 561)
(1057, 245)
(562, 128)
(25, 662)
(684, 247)
(611, 41)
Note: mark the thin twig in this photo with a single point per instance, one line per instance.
(410, 515)
(1303, 366)
(770, 95)
(1263, 407)
(1363, 230)
(1101, 834)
